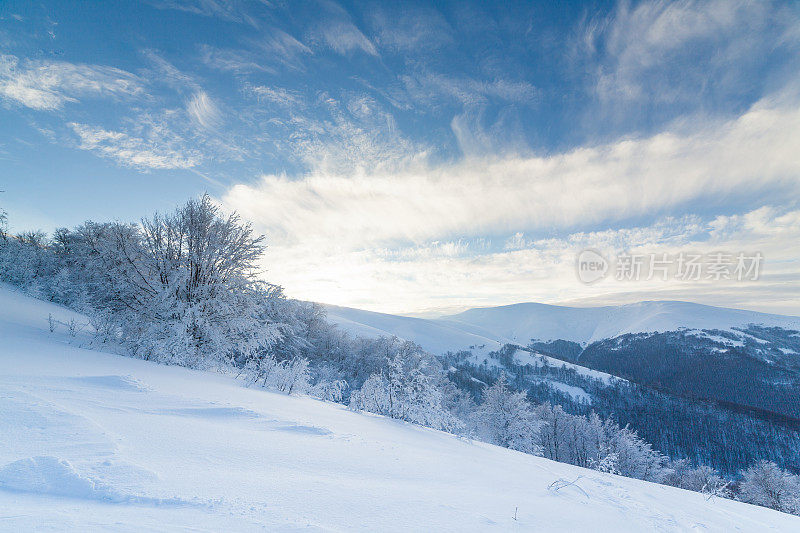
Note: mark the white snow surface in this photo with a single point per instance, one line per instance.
(91, 441)
(492, 327)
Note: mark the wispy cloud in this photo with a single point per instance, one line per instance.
(430, 87)
(233, 10)
(280, 48)
(169, 74)
(275, 95)
(340, 33)
(154, 152)
(49, 85)
(326, 226)
(680, 51)
(231, 60)
(204, 112)
(752, 154)
(344, 37)
(407, 28)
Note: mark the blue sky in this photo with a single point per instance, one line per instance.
(425, 156)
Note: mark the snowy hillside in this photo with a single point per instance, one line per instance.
(520, 323)
(93, 441)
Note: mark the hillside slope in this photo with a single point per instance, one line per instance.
(93, 441)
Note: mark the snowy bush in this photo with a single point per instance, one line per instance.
(332, 391)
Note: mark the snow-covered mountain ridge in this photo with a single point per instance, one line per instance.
(492, 327)
(94, 441)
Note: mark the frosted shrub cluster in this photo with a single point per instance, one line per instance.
(406, 390)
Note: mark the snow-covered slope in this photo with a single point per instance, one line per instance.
(434, 336)
(91, 441)
(520, 323)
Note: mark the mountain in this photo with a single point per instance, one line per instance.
(95, 441)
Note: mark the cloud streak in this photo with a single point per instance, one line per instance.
(750, 155)
(204, 112)
(675, 52)
(49, 85)
(143, 154)
(472, 232)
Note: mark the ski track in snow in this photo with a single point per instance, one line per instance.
(92, 442)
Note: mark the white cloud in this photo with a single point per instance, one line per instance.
(338, 31)
(233, 10)
(48, 85)
(282, 48)
(427, 87)
(369, 238)
(344, 37)
(452, 275)
(227, 60)
(170, 74)
(355, 135)
(407, 28)
(276, 95)
(753, 153)
(676, 51)
(204, 112)
(155, 152)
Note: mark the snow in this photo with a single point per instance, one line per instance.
(576, 393)
(523, 357)
(91, 441)
(716, 338)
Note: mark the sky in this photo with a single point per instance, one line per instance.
(423, 157)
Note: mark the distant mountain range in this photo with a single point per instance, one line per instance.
(489, 328)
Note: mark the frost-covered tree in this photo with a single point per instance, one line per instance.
(505, 418)
(635, 457)
(681, 473)
(406, 390)
(766, 484)
(25, 261)
(289, 376)
(182, 288)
